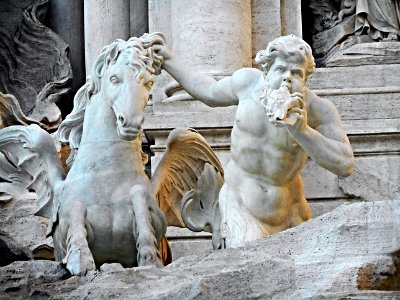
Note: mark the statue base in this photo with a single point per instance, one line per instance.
(376, 53)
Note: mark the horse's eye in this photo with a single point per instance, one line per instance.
(114, 79)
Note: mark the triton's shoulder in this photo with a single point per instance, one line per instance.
(246, 76)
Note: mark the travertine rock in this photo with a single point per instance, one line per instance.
(30, 279)
(22, 235)
(371, 183)
(351, 252)
(33, 59)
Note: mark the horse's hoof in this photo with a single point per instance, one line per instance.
(149, 257)
(79, 264)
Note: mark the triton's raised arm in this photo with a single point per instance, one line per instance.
(204, 88)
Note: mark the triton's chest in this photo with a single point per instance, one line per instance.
(250, 116)
(252, 122)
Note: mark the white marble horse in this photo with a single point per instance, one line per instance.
(105, 210)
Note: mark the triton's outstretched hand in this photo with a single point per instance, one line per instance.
(161, 52)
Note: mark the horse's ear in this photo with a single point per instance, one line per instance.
(107, 55)
(113, 53)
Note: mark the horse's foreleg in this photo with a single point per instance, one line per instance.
(79, 258)
(146, 241)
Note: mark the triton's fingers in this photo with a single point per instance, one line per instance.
(293, 116)
(297, 94)
(293, 103)
(297, 110)
(299, 97)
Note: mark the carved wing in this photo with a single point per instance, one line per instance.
(29, 159)
(178, 172)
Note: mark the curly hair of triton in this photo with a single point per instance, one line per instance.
(289, 46)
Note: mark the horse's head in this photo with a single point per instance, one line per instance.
(126, 89)
(127, 76)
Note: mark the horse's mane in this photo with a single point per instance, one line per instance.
(141, 58)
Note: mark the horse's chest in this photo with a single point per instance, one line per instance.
(112, 233)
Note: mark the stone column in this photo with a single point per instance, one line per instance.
(66, 19)
(212, 37)
(291, 17)
(266, 23)
(139, 17)
(105, 21)
(273, 18)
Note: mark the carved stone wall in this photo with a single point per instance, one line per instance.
(33, 60)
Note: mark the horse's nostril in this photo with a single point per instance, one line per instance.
(121, 119)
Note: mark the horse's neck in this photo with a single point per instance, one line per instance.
(100, 142)
(99, 123)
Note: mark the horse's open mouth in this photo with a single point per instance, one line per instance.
(128, 134)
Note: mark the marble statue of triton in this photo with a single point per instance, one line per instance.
(279, 123)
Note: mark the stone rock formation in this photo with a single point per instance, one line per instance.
(22, 235)
(351, 252)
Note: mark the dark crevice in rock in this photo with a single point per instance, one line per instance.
(10, 253)
(373, 277)
(43, 252)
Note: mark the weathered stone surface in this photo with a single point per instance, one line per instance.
(265, 23)
(22, 280)
(190, 246)
(370, 182)
(33, 59)
(366, 54)
(22, 235)
(291, 17)
(349, 253)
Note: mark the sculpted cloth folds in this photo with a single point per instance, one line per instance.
(377, 16)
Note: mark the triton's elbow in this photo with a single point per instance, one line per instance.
(348, 167)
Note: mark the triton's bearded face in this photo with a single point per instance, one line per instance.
(289, 73)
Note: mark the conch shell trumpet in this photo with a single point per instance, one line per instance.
(277, 106)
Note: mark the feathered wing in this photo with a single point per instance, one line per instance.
(179, 172)
(28, 158)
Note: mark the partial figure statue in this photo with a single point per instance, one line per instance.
(104, 210)
(339, 24)
(279, 123)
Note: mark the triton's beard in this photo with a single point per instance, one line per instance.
(274, 103)
(265, 91)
